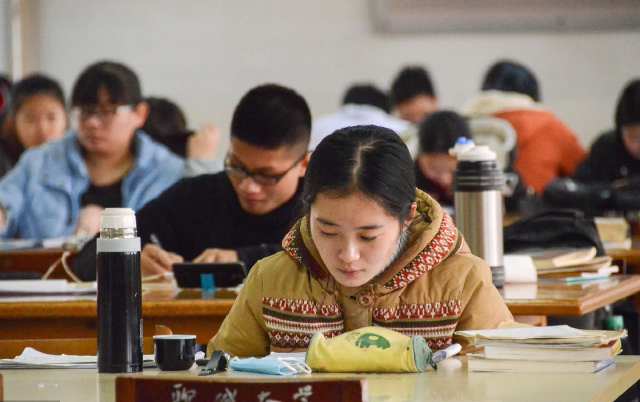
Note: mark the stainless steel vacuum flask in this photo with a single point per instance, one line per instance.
(478, 187)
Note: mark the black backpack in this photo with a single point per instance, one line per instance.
(553, 229)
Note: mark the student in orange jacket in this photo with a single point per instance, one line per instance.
(546, 147)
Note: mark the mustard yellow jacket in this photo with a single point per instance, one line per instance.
(434, 288)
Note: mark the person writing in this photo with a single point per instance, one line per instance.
(370, 250)
(242, 213)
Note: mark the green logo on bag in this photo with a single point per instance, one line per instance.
(369, 339)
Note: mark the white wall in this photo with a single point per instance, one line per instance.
(206, 54)
(5, 43)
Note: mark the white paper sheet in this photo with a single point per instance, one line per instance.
(50, 286)
(31, 358)
(554, 331)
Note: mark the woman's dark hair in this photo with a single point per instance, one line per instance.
(509, 76)
(167, 124)
(628, 108)
(440, 131)
(271, 116)
(368, 159)
(32, 85)
(120, 82)
(23, 90)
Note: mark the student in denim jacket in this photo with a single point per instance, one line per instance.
(60, 188)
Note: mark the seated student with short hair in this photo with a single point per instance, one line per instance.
(370, 250)
(37, 115)
(434, 166)
(615, 154)
(361, 104)
(413, 97)
(61, 188)
(413, 94)
(242, 213)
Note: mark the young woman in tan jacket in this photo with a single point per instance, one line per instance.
(370, 250)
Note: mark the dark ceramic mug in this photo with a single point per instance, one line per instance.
(175, 352)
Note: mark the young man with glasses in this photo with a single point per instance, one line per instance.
(242, 213)
(61, 188)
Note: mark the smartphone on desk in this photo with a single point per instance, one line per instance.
(226, 275)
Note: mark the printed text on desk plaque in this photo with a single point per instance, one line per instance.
(153, 390)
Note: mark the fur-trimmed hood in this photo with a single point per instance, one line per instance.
(433, 237)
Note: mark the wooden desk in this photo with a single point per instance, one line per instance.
(628, 259)
(571, 300)
(451, 382)
(183, 312)
(188, 312)
(31, 260)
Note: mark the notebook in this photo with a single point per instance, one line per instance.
(550, 352)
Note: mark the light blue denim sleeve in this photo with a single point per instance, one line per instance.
(13, 189)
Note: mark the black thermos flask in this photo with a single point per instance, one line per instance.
(119, 293)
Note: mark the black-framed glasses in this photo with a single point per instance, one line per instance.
(104, 114)
(240, 172)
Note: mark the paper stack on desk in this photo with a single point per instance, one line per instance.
(543, 349)
(31, 358)
(30, 287)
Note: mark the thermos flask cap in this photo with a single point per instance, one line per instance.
(118, 218)
(466, 150)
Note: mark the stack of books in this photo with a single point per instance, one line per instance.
(561, 349)
(573, 265)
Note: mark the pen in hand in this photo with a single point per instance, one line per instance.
(154, 239)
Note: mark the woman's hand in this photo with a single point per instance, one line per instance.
(89, 220)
